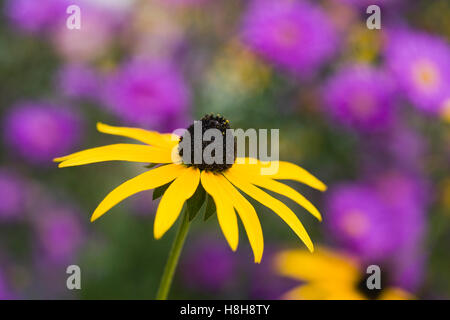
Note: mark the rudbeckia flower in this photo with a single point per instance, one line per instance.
(182, 181)
(330, 275)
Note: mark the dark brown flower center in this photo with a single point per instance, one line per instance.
(224, 151)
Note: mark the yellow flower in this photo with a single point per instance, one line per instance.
(329, 275)
(222, 185)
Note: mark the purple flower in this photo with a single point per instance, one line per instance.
(421, 65)
(35, 16)
(360, 97)
(359, 221)
(382, 218)
(294, 35)
(209, 265)
(60, 233)
(40, 131)
(12, 189)
(78, 81)
(148, 94)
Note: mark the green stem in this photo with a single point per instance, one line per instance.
(172, 261)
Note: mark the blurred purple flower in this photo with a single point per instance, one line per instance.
(148, 94)
(359, 221)
(294, 35)
(382, 218)
(78, 81)
(40, 131)
(35, 16)
(12, 190)
(421, 65)
(209, 265)
(360, 97)
(60, 233)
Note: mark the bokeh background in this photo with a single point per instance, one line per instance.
(366, 111)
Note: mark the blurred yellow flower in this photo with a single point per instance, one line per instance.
(329, 275)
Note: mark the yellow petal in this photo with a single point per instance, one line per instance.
(116, 152)
(145, 181)
(278, 187)
(277, 206)
(323, 266)
(225, 211)
(286, 171)
(396, 294)
(173, 200)
(166, 140)
(248, 216)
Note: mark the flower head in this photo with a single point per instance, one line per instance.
(148, 94)
(380, 219)
(183, 180)
(37, 131)
(420, 64)
(330, 275)
(360, 221)
(294, 35)
(360, 97)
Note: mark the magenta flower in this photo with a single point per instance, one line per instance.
(40, 131)
(294, 35)
(148, 94)
(35, 16)
(359, 221)
(360, 97)
(421, 65)
(382, 218)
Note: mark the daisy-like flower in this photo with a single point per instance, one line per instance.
(296, 36)
(330, 275)
(419, 62)
(183, 181)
